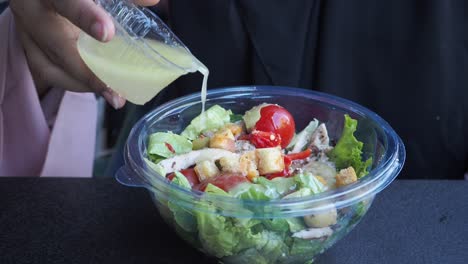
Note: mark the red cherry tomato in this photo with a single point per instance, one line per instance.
(276, 119)
(262, 139)
(223, 181)
(189, 174)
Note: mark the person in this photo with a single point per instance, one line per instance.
(404, 60)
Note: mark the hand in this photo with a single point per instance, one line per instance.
(49, 31)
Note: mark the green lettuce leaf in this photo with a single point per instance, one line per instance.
(155, 158)
(299, 193)
(210, 188)
(308, 180)
(279, 185)
(252, 191)
(305, 248)
(348, 150)
(235, 118)
(213, 118)
(275, 248)
(181, 180)
(256, 192)
(217, 233)
(269, 244)
(183, 217)
(246, 222)
(244, 239)
(157, 168)
(226, 236)
(281, 225)
(307, 184)
(167, 145)
(264, 247)
(295, 224)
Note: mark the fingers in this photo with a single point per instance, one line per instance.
(88, 16)
(146, 2)
(57, 39)
(44, 69)
(44, 72)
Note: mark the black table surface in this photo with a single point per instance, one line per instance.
(100, 221)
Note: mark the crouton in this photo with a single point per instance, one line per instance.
(206, 169)
(248, 165)
(230, 164)
(345, 177)
(270, 160)
(225, 132)
(223, 139)
(236, 129)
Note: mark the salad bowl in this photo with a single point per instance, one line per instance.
(269, 223)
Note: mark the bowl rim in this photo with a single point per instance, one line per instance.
(377, 179)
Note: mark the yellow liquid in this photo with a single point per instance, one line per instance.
(132, 74)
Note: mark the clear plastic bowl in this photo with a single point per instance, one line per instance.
(351, 202)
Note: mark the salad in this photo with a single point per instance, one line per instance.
(259, 156)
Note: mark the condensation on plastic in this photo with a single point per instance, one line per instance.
(380, 142)
(136, 25)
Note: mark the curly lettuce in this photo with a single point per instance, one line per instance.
(348, 150)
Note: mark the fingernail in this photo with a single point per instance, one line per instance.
(113, 99)
(99, 31)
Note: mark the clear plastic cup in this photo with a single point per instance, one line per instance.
(143, 57)
(351, 202)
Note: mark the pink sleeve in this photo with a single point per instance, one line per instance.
(28, 146)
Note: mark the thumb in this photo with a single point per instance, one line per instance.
(146, 2)
(86, 15)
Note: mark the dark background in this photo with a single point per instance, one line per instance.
(405, 60)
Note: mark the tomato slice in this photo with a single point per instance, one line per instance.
(261, 139)
(300, 155)
(223, 181)
(189, 174)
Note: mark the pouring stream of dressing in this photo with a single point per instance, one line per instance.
(203, 70)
